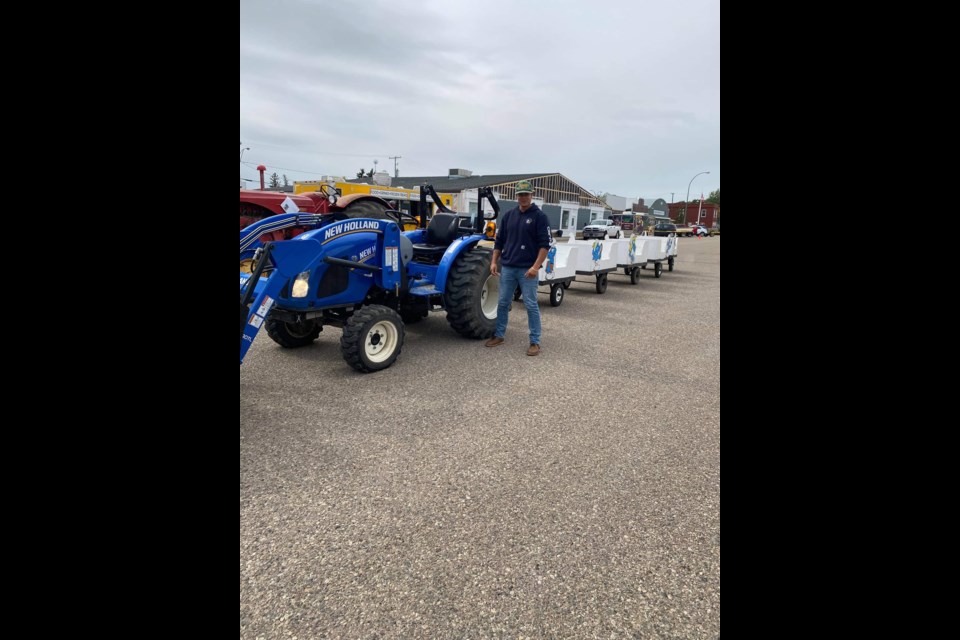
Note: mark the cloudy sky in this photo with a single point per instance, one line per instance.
(621, 96)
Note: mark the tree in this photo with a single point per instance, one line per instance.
(364, 174)
(286, 182)
(714, 197)
(274, 181)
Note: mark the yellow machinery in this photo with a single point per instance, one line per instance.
(405, 199)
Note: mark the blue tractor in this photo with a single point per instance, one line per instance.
(369, 278)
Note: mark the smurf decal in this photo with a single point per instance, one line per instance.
(551, 262)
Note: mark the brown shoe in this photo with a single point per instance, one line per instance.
(494, 342)
(534, 350)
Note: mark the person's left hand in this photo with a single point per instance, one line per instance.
(532, 272)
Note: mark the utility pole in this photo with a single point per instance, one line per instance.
(396, 172)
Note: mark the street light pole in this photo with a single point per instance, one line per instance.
(685, 202)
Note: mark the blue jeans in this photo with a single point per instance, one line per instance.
(510, 277)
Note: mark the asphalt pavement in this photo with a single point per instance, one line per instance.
(470, 492)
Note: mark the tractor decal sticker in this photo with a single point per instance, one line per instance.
(366, 254)
(350, 226)
(391, 257)
(265, 307)
(551, 261)
(670, 245)
(633, 249)
(256, 321)
(597, 252)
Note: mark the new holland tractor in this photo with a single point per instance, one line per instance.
(368, 277)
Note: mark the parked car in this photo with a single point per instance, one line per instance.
(664, 229)
(601, 229)
(700, 230)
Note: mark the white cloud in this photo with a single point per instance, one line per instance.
(621, 97)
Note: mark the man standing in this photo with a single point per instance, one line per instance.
(523, 238)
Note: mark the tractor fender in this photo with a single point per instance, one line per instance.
(460, 245)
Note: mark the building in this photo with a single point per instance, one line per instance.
(560, 198)
(709, 215)
(621, 203)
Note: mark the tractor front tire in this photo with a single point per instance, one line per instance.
(293, 335)
(473, 295)
(372, 338)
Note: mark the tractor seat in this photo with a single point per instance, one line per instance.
(442, 230)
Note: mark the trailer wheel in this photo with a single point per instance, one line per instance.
(556, 295)
(635, 275)
(602, 283)
(367, 209)
(517, 294)
(291, 335)
(372, 338)
(659, 270)
(473, 295)
(670, 261)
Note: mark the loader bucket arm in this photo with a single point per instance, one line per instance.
(250, 235)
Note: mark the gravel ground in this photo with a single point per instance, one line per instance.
(469, 492)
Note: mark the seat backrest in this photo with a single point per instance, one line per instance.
(443, 229)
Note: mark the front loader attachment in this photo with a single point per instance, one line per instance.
(309, 257)
(256, 298)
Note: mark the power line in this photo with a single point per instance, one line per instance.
(270, 166)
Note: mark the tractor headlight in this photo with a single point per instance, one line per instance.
(301, 286)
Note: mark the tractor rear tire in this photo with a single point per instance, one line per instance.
(473, 295)
(293, 335)
(372, 338)
(367, 209)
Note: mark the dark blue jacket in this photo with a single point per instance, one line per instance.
(521, 235)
